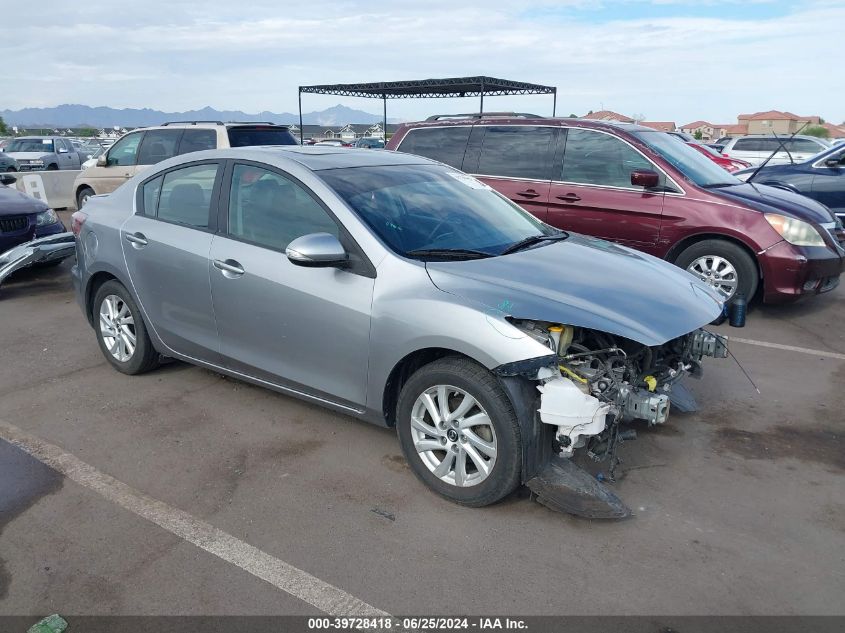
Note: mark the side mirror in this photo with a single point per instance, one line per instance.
(317, 250)
(102, 161)
(834, 162)
(61, 150)
(645, 178)
(6, 179)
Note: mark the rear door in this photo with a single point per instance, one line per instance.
(591, 192)
(304, 328)
(516, 161)
(166, 246)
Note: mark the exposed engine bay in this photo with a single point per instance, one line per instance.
(595, 381)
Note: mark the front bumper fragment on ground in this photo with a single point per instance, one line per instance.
(39, 251)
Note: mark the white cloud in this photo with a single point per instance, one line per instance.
(181, 55)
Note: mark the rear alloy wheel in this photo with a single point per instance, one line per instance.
(121, 332)
(459, 432)
(722, 265)
(82, 196)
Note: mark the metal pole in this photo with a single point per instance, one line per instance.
(384, 130)
(554, 102)
(301, 139)
(481, 110)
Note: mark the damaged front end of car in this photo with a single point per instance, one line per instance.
(589, 387)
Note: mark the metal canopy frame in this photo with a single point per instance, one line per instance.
(429, 88)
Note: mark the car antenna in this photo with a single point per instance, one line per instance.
(780, 145)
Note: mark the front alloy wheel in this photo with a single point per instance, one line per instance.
(717, 273)
(453, 435)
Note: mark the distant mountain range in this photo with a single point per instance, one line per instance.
(73, 116)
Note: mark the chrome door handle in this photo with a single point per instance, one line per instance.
(569, 197)
(138, 240)
(230, 268)
(528, 193)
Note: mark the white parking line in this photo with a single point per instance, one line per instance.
(788, 348)
(278, 573)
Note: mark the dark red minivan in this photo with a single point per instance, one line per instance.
(647, 190)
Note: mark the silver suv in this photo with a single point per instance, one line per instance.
(403, 292)
(756, 149)
(143, 147)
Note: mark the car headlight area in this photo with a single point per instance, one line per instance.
(794, 231)
(46, 218)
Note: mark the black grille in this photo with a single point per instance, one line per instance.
(13, 224)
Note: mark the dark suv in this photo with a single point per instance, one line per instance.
(647, 190)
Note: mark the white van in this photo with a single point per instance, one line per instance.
(756, 149)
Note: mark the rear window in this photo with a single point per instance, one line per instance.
(244, 136)
(444, 144)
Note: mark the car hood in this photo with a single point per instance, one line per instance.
(14, 202)
(776, 200)
(585, 282)
(27, 155)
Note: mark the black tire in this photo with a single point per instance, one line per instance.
(11, 170)
(84, 192)
(746, 268)
(52, 167)
(477, 381)
(145, 357)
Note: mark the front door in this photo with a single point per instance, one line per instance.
(829, 183)
(304, 328)
(166, 245)
(121, 164)
(592, 191)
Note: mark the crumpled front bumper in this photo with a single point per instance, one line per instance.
(37, 251)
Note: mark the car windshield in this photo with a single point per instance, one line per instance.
(30, 145)
(415, 208)
(695, 166)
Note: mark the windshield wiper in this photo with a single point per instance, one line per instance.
(448, 253)
(532, 240)
(777, 149)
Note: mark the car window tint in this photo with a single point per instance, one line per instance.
(749, 145)
(594, 158)
(197, 140)
(445, 144)
(245, 135)
(124, 151)
(151, 190)
(516, 151)
(186, 195)
(803, 145)
(270, 210)
(158, 145)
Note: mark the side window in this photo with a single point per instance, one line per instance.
(446, 144)
(158, 145)
(516, 151)
(185, 195)
(152, 189)
(594, 158)
(197, 140)
(124, 151)
(803, 145)
(271, 210)
(748, 145)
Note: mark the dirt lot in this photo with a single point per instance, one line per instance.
(740, 509)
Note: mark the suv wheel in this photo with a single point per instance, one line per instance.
(459, 432)
(722, 265)
(82, 196)
(121, 332)
(52, 167)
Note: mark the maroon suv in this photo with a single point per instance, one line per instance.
(648, 190)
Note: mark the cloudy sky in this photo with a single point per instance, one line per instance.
(676, 60)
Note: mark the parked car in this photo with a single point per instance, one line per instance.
(43, 152)
(332, 142)
(728, 164)
(821, 177)
(7, 163)
(396, 290)
(683, 136)
(143, 147)
(719, 143)
(756, 149)
(369, 143)
(93, 156)
(22, 217)
(642, 188)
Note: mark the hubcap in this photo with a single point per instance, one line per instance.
(117, 327)
(453, 435)
(716, 272)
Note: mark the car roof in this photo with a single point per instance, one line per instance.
(530, 121)
(782, 137)
(314, 158)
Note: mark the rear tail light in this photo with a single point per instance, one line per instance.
(77, 220)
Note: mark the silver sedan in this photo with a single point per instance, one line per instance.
(400, 291)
